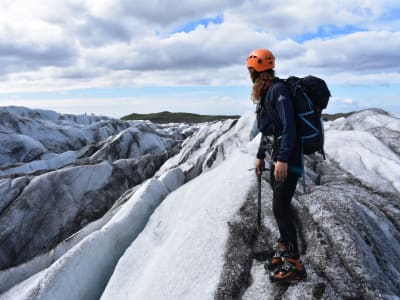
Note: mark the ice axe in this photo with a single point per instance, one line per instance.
(258, 199)
(259, 202)
(260, 253)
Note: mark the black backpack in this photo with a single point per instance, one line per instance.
(310, 95)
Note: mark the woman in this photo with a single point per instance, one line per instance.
(275, 117)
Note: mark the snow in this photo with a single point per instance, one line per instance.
(172, 179)
(366, 120)
(166, 237)
(211, 144)
(174, 226)
(109, 238)
(186, 234)
(258, 290)
(365, 157)
(52, 162)
(32, 148)
(84, 269)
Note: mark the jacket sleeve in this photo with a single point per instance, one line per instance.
(282, 103)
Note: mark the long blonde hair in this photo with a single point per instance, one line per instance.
(260, 84)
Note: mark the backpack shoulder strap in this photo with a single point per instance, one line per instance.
(268, 108)
(266, 105)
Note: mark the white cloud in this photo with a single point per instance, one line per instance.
(297, 17)
(48, 45)
(203, 103)
(347, 101)
(159, 14)
(361, 51)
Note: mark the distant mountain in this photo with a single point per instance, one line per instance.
(332, 117)
(166, 117)
(178, 117)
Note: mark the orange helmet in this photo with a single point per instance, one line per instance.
(261, 60)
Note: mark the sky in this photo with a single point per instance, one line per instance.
(116, 57)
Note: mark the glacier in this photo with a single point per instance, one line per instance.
(93, 207)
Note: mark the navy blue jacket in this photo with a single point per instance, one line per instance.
(282, 126)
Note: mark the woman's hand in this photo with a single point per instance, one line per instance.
(281, 169)
(260, 166)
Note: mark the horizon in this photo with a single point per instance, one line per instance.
(394, 114)
(114, 58)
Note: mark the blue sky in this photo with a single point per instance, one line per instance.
(118, 57)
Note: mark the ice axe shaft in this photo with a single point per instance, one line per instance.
(259, 202)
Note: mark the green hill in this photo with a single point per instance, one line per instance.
(178, 117)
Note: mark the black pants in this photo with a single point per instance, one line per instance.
(282, 196)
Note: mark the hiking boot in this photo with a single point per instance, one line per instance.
(291, 270)
(277, 261)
